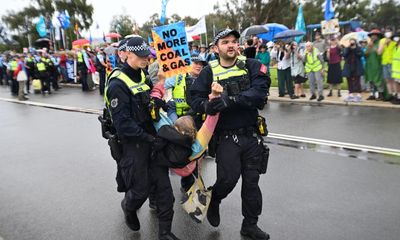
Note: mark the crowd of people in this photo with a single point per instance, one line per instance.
(367, 65)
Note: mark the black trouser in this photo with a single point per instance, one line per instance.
(14, 86)
(45, 80)
(135, 173)
(29, 74)
(235, 159)
(102, 80)
(54, 79)
(164, 196)
(83, 76)
(1, 75)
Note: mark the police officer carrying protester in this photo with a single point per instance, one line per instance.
(127, 98)
(239, 149)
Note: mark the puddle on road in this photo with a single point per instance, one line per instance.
(340, 151)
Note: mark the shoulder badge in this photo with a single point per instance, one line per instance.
(114, 103)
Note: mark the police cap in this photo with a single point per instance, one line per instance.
(138, 46)
(197, 58)
(224, 33)
(122, 45)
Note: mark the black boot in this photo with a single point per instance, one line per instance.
(165, 231)
(131, 219)
(254, 232)
(213, 214)
(330, 93)
(380, 97)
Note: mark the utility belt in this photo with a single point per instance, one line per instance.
(247, 131)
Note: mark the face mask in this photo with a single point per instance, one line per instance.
(388, 34)
(396, 39)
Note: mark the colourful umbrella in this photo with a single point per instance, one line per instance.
(113, 35)
(358, 36)
(80, 42)
(273, 28)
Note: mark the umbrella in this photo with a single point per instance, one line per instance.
(289, 34)
(110, 50)
(359, 36)
(274, 28)
(80, 42)
(42, 42)
(113, 35)
(254, 30)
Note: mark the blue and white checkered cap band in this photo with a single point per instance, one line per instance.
(221, 35)
(139, 48)
(122, 47)
(196, 59)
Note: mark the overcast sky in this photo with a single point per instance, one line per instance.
(140, 10)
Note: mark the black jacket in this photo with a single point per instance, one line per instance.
(175, 150)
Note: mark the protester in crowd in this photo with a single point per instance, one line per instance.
(320, 44)
(373, 67)
(101, 68)
(363, 45)
(386, 49)
(396, 67)
(334, 56)
(55, 62)
(195, 50)
(250, 50)
(297, 69)
(1, 69)
(281, 53)
(21, 77)
(264, 56)
(353, 70)
(91, 69)
(211, 53)
(63, 67)
(203, 52)
(314, 70)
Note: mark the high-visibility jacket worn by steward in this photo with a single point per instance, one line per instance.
(313, 64)
(179, 95)
(396, 63)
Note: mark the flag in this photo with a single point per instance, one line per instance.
(197, 29)
(329, 11)
(64, 20)
(300, 24)
(163, 15)
(149, 40)
(41, 27)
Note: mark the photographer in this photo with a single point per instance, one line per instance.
(281, 53)
(297, 69)
(353, 70)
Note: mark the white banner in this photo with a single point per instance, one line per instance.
(197, 29)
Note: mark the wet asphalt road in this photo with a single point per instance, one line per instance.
(57, 178)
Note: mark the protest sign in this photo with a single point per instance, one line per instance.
(330, 27)
(172, 49)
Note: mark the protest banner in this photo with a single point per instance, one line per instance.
(172, 48)
(330, 27)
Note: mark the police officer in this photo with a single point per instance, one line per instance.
(30, 66)
(239, 147)
(43, 74)
(128, 97)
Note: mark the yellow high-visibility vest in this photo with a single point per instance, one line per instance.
(313, 64)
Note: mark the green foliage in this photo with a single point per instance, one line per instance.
(20, 22)
(385, 13)
(122, 24)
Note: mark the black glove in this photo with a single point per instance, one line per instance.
(221, 103)
(159, 103)
(209, 108)
(159, 144)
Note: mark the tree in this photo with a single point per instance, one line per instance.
(122, 24)
(384, 13)
(21, 21)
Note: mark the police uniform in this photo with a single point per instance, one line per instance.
(127, 97)
(42, 72)
(239, 145)
(82, 70)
